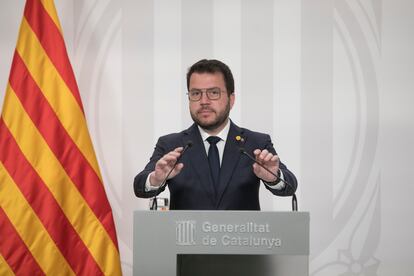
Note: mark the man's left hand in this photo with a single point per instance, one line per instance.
(268, 160)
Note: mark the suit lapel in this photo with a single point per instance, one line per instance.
(197, 155)
(231, 157)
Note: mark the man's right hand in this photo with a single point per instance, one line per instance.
(164, 165)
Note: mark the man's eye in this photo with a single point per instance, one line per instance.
(195, 93)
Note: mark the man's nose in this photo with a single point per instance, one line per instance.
(204, 99)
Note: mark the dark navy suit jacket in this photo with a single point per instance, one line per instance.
(192, 188)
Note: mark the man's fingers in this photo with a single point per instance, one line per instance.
(179, 167)
(176, 170)
(271, 158)
(263, 154)
(268, 157)
(173, 153)
(179, 149)
(170, 157)
(256, 168)
(275, 158)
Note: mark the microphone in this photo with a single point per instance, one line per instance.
(243, 151)
(188, 145)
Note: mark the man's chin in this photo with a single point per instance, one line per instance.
(208, 125)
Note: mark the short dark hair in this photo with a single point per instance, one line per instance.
(212, 66)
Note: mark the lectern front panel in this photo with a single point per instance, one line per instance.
(177, 242)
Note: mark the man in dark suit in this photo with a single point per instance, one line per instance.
(213, 174)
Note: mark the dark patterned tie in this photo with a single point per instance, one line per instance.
(214, 160)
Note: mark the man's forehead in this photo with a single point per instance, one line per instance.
(206, 76)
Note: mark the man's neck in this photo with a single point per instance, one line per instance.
(214, 132)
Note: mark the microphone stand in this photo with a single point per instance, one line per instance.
(294, 199)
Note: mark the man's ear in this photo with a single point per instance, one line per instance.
(232, 100)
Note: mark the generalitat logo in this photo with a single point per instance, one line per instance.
(185, 232)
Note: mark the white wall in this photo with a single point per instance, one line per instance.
(331, 81)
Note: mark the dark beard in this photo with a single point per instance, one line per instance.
(220, 120)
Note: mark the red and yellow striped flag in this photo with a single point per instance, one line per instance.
(55, 217)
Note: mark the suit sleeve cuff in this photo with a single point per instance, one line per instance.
(277, 185)
(148, 186)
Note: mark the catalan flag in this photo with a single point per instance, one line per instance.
(55, 218)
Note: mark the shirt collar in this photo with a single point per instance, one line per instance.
(222, 134)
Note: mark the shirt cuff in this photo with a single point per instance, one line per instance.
(280, 184)
(148, 186)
